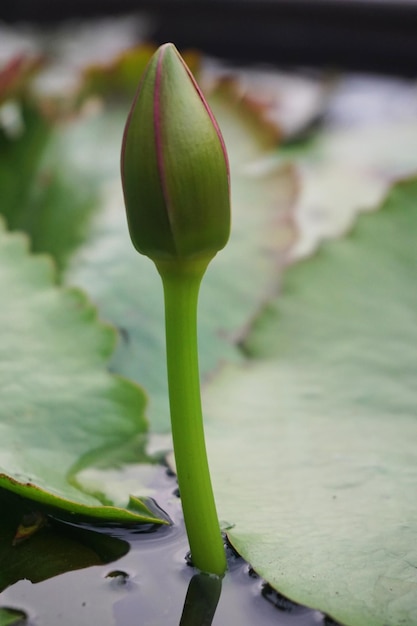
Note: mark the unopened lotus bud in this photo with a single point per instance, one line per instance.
(175, 172)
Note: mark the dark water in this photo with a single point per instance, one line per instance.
(148, 587)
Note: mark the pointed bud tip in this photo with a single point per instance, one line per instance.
(175, 171)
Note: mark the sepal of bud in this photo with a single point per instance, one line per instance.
(175, 171)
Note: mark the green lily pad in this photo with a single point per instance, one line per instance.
(22, 145)
(346, 170)
(313, 439)
(126, 287)
(71, 206)
(43, 192)
(60, 410)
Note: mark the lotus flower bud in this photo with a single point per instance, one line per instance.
(175, 172)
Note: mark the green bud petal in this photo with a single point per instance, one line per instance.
(174, 166)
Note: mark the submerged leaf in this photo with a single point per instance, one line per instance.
(313, 440)
(53, 549)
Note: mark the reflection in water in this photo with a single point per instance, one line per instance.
(35, 547)
(145, 587)
(201, 601)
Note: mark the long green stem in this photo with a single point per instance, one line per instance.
(181, 289)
